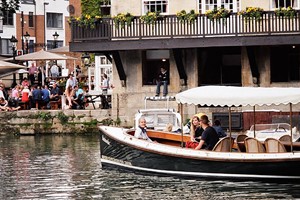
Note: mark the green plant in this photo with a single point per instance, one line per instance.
(217, 14)
(118, 121)
(107, 121)
(62, 118)
(183, 16)
(288, 12)
(44, 115)
(122, 19)
(86, 20)
(252, 13)
(150, 17)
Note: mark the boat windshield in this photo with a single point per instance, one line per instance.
(271, 127)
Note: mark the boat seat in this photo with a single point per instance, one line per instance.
(274, 146)
(285, 138)
(240, 142)
(224, 144)
(254, 146)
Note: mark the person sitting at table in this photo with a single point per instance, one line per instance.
(26, 93)
(78, 98)
(69, 93)
(54, 93)
(45, 96)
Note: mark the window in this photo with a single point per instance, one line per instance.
(153, 60)
(54, 20)
(285, 64)
(27, 1)
(205, 5)
(284, 3)
(220, 66)
(50, 44)
(6, 47)
(8, 18)
(155, 6)
(30, 19)
(105, 7)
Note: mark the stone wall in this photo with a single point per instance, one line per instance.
(58, 121)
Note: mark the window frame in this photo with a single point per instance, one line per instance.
(8, 18)
(203, 5)
(156, 4)
(30, 19)
(54, 20)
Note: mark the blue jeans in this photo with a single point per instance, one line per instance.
(165, 91)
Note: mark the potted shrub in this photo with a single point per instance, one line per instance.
(288, 12)
(123, 19)
(252, 13)
(183, 16)
(218, 14)
(150, 17)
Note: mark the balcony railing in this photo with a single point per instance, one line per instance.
(170, 27)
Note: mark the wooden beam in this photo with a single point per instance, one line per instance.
(179, 63)
(253, 63)
(119, 66)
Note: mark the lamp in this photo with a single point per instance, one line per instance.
(14, 42)
(27, 36)
(55, 36)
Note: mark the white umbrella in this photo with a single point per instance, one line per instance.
(43, 55)
(6, 67)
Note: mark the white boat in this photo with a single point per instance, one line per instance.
(159, 118)
(276, 130)
(265, 160)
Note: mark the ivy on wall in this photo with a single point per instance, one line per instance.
(9, 5)
(90, 7)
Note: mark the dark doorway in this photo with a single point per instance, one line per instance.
(220, 66)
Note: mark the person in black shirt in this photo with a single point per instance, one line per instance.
(163, 79)
(209, 136)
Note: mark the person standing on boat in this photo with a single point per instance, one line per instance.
(209, 136)
(163, 79)
(141, 131)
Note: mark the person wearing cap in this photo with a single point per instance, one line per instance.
(209, 137)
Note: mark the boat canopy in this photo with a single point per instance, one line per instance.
(239, 96)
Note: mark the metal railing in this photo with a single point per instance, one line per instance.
(170, 27)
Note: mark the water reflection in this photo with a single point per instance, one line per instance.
(68, 167)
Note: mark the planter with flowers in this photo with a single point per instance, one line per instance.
(288, 12)
(123, 19)
(252, 13)
(150, 17)
(183, 16)
(86, 20)
(218, 14)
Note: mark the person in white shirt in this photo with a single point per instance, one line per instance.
(141, 131)
(54, 70)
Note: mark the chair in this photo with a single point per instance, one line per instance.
(240, 142)
(285, 138)
(274, 146)
(254, 146)
(224, 145)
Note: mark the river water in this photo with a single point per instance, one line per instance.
(68, 167)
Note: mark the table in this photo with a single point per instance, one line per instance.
(92, 98)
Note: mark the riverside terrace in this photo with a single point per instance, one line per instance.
(168, 32)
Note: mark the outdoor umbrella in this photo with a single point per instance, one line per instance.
(6, 67)
(43, 55)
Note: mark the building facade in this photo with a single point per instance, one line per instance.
(239, 51)
(40, 21)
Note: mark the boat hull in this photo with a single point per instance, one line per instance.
(115, 152)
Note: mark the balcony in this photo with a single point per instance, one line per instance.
(169, 32)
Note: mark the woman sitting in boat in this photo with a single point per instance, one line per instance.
(209, 137)
(141, 131)
(195, 131)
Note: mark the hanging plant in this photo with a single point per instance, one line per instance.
(252, 13)
(122, 19)
(288, 12)
(183, 16)
(218, 14)
(86, 20)
(150, 17)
